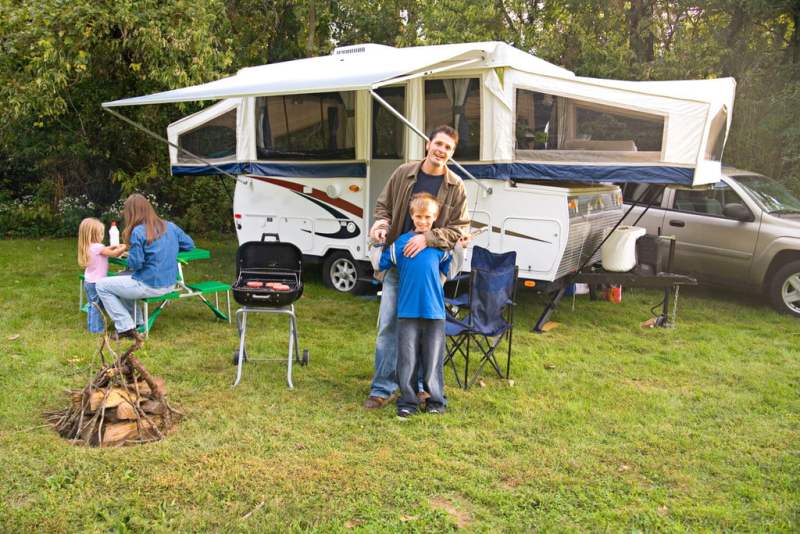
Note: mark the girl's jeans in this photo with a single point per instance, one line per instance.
(94, 317)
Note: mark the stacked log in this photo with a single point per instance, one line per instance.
(122, 404)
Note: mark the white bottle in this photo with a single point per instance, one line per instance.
(113, 234)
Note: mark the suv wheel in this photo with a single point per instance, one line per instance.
(341, 272)
(784, 289)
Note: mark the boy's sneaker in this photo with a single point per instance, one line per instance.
(436, 410)
(404, 413)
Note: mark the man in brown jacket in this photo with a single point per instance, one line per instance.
(392, 219)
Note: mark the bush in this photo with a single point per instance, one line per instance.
(26, 217)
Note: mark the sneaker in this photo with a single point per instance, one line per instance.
(404, 413)
(436, 410)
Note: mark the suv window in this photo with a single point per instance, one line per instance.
(635, 194)
(707, 201)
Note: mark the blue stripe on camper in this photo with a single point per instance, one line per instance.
(202, 170)
(581, 173)
(281, 170)
(494, 171)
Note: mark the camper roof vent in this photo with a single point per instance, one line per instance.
(359, 49)
(355, 49)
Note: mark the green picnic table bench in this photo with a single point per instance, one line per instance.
(183, 290)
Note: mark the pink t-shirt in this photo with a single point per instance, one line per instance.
(98, 264)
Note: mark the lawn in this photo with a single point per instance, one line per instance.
(606, 427)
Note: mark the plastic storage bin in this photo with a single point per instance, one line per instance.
(618, 253)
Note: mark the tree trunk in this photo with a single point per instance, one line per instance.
(640, 35)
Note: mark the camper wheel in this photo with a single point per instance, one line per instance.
(341, 272)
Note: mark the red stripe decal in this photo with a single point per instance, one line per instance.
(316, 193)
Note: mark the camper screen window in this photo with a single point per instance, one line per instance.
(456, 102)
(215, 139)
(546, 122)
(317, 126)
(387, 130)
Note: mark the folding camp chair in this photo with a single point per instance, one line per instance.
(490, 300)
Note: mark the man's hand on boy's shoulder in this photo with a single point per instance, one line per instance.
(415, 245)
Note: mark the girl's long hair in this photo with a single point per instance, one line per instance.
(138, 210)
(90, 231)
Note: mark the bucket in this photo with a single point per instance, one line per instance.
(618, 253)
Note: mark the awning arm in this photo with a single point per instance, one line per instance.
(390, 109)
(154, 135)
(424, 73)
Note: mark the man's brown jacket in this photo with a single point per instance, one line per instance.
(392, 206)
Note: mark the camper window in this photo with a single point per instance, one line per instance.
(551, 127)
(317, 126)
(216, 139)
(387, 130)
(456, 102)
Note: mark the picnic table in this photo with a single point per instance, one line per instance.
(184, 290)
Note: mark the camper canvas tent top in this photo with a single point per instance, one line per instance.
(311, 145)
(696, 114)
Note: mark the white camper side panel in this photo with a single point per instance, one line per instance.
(532, 220)
(497, 135)
(316, 214)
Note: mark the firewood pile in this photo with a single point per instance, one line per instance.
(122, 404)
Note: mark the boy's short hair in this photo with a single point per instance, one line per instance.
(420, 201)
(445, 129)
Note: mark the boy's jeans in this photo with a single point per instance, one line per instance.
(119, 293)
(420, 343)
(384, 383)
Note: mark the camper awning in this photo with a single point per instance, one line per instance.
(347, 69)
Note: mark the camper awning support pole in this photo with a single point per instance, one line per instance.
(384, 103)
(154, 135)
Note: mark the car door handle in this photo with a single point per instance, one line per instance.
(675, 222)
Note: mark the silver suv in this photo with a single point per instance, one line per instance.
(743, 231)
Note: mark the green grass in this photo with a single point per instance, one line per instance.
(607, 426)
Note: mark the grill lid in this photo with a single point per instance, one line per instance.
(268, 255)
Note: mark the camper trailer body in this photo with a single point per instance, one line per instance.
(312, 143)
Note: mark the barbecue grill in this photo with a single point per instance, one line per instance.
(268, 280)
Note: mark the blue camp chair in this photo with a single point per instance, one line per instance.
(489, 319)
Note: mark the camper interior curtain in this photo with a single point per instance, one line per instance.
(456, 91)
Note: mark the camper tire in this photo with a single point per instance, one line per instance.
(784, 288)
(342, 273)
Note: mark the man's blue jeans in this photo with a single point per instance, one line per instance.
(384, 383)
(119, 293)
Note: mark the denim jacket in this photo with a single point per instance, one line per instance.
(156, 264)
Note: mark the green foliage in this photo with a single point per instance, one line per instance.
(59, 60)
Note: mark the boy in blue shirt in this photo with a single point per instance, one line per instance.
(420, 311)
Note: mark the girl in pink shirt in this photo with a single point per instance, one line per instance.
(93, 256)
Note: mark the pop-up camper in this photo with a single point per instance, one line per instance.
(312, 142)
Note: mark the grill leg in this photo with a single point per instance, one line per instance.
(292, 338)
(241, 318)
